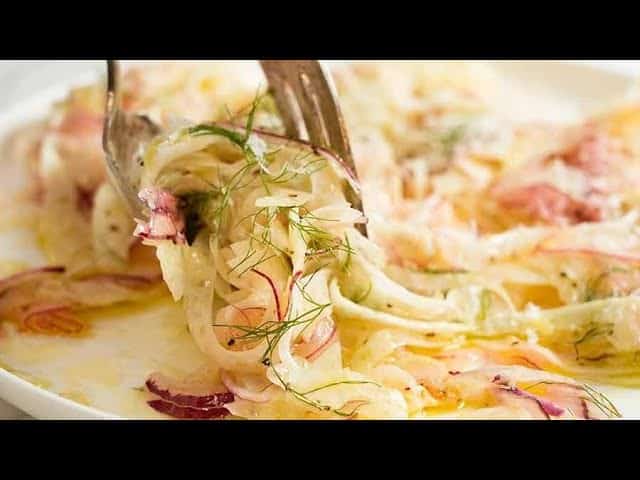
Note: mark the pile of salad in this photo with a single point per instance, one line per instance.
(499, 278)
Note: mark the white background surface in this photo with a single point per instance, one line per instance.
(20, 79)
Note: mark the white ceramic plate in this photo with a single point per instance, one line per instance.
(106, 373)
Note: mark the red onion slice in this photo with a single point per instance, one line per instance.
(187, 413)
(322, 337)
(27, 275)
(43, 300)
(274, 290)
(47, 310)
(575, 398)
(548, 409)
(125, 280)
(166, 221)
(243, 392)
(213, 400)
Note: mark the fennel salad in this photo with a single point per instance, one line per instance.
(499, 278)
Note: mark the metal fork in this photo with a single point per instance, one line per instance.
(308, 105)
(306, 99)
(123, 138)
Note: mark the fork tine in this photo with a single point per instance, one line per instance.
(303, 89)
(279, 87)
(294, 90)
(327, 98)
(122, 136)
(310, 85)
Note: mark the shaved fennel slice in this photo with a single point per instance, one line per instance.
(198, 303)
(112, 227)
(387, 296)
(347, 309)
(172, 264)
